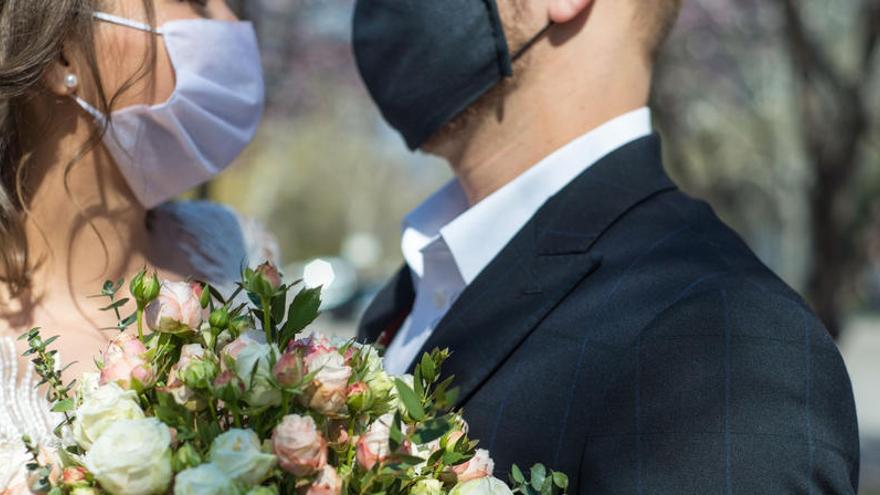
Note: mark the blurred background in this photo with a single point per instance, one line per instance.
(769, 110)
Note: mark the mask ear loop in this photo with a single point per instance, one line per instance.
(522, 51)
(122, 21)
(119, 21)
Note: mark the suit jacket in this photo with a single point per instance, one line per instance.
(630, 339)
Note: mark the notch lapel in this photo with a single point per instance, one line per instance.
(543, 263)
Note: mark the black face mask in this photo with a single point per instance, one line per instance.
(425, 61)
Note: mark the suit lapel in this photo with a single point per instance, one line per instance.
(551, 255)
(388, 310)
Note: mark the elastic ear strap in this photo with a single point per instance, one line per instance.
(91, 110)
(523, 49)
(122, 21)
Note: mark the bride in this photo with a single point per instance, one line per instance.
(108, 110)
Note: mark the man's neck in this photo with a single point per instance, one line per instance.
(538, 119)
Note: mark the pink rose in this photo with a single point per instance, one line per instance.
(177, 308)
(480, 466)
(289, 370)
(314, 343)
(373, 447)
(300, 448)
(327, 482)
(124, 361)
(234, 348)
(328, 392)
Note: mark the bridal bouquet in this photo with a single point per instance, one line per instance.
(229, 396)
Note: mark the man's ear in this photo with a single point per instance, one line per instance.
(61, 77)
(562, 11)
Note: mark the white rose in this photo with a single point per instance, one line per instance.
(253, 367)
(206, 479)
(237, 452)
(427, 487)
(482, 486)
(102, 408)
(132, 457)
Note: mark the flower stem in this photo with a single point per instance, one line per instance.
(140, 323)
(267, 319)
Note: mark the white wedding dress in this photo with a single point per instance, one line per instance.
(213, 241)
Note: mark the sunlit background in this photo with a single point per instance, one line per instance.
(768, 109)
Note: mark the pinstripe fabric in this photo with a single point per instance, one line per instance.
(627, 337)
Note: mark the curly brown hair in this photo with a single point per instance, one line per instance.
(32, 36)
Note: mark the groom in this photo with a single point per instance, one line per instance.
(601, 321)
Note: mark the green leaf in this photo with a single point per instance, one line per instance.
(431, 430)
(428, 368)
(560, 480)
(395, 436)
(539, 474)
(65, 405)
(517, 475)
(410, 400)
(304, 309)
(115, 305)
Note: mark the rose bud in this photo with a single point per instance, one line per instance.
(123, 362)
(192, 370)
(300, 448)
(176, 310)
(328, 392)
(289, 370)
(373, 447)
(74, 475)
(327, 482)
(144, 288)
(359, 396)
(219, 318)
(270, 274)
(480, 466)
(228, 387)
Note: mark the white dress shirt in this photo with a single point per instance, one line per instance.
(447, 244)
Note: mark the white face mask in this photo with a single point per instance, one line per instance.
(164, 150)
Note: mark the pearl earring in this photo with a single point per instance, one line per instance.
(71, 81)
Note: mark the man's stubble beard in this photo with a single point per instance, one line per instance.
(489, 108)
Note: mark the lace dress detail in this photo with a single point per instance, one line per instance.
(214, 243)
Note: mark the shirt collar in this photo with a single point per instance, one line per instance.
(477, 234)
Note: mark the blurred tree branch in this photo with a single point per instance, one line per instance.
(767, 110)
(835, 123)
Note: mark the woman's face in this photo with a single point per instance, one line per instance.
(122, 51)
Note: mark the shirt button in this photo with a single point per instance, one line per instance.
(440, 299)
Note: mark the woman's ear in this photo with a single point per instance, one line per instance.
(61, 77)
(562, 11)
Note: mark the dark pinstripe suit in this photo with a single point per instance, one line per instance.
(627, 337)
